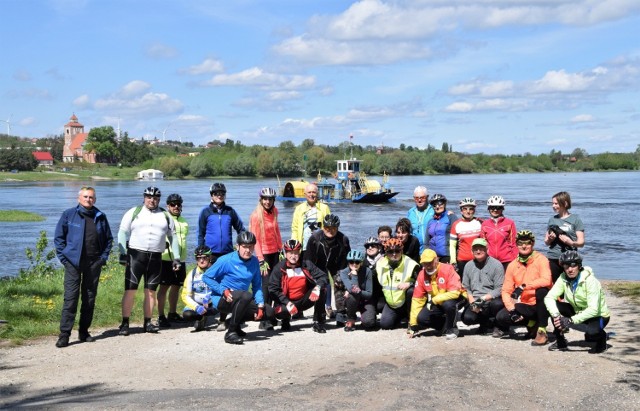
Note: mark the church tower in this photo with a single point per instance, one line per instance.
(71, 130)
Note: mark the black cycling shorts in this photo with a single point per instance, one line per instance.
(142, 264)
(170, 277)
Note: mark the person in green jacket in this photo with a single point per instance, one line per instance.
(583, 308)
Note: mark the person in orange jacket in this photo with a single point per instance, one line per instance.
(442, 283)
(526, 282)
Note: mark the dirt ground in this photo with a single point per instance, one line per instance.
(300, 369)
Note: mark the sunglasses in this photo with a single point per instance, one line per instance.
(202, 257)
(494, 208)
(354, 262)
(148, 196)
(527, 242)
(573, 264)
(393, 251)
(438, 203)
(219, 193)
(175, 205)
(420, 198)
(370, 246)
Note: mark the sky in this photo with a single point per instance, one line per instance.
(492, 76)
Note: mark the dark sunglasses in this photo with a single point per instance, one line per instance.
(393, 251)
(371, 246)
(354, 262)
(494, 208)
(219, 193)
(573, 264)
(439, 203)
(149, 196)
(175, 204)
(525, 242)
(202, 257)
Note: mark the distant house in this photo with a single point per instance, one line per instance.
(44, 158)
(74, 140)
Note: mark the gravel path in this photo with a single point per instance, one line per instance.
(304, 370)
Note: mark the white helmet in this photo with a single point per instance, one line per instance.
(467, 201)
(496, 201)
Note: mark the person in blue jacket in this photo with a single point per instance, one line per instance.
(420, 214)
(217, 222)
(229, 279)
(83, 242)
(438, 232)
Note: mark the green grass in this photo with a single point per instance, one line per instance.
(77, 172)
(19, 216)
(629, 289)
(32, 304)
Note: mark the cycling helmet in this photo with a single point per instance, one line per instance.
(467, 201)
(524, 235)
(355, 255)
(152, 191)
(292, 245)
(372, 241)
(496, 201)
(570, 256)
(246, 237)
(217, 187)
(437, 197)
(331, 220)
(202, 250)
(174, 198)
(267, 192)
(393, 243)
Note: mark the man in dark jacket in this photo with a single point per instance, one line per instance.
(83, 241)
(296, 286)
(328, 249)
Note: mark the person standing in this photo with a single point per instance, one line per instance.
(308, 216)
(420, 214)
(500, 232)
(263, 222)
(83, 242)
(229, 280)
(565, 232)
(145, 232)
(439, 228)
(171, 280)
(463, 232)
(410, 244)
(217, 222)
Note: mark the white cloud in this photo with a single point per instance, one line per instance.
(161, 51)
(27, 121)
(554, 81)
(135, 88)
(256, 77)
(582, 118)
(192, 118)
(22, 75)
(207, 66)
(284, 95)
(82, 101)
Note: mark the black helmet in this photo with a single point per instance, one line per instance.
(292, 245)
(217, 187)
(570, 256)
(372, 241)
(152, 191)
(331, 220)
(437, 197)
(201, 250)
(525, 235)
(246, 237)
(174, 198)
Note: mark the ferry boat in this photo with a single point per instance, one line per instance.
(350, 185)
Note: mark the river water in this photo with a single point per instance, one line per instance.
(600, 199)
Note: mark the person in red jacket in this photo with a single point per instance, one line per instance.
(526, 282)
(263, 222)
(500, 232)
(297, 285)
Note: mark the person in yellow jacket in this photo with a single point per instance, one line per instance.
(396, 273)
(441, 282)
(308, 216)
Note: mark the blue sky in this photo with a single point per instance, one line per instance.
(503, 76)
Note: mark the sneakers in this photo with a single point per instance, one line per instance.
(286, 325)
(124, 329)
(163, 322)
(330, 312)
(63, 341)
(601, 343)
(319, 328)
(240, 332)
(200, 324)
(560, 344)
(222, 326)
(497, 333)
(232, 337)
(351, 326)
(86, 337)
(175, 318)
(151, 328)
(451, 334)
(265, 325)
(541, 339)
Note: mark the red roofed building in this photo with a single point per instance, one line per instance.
(74, 139)
(44, 158)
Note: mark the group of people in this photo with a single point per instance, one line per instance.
(433, 270)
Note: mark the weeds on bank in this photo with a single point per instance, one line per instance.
(32, 301)
(19, 216)
(630, 289)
